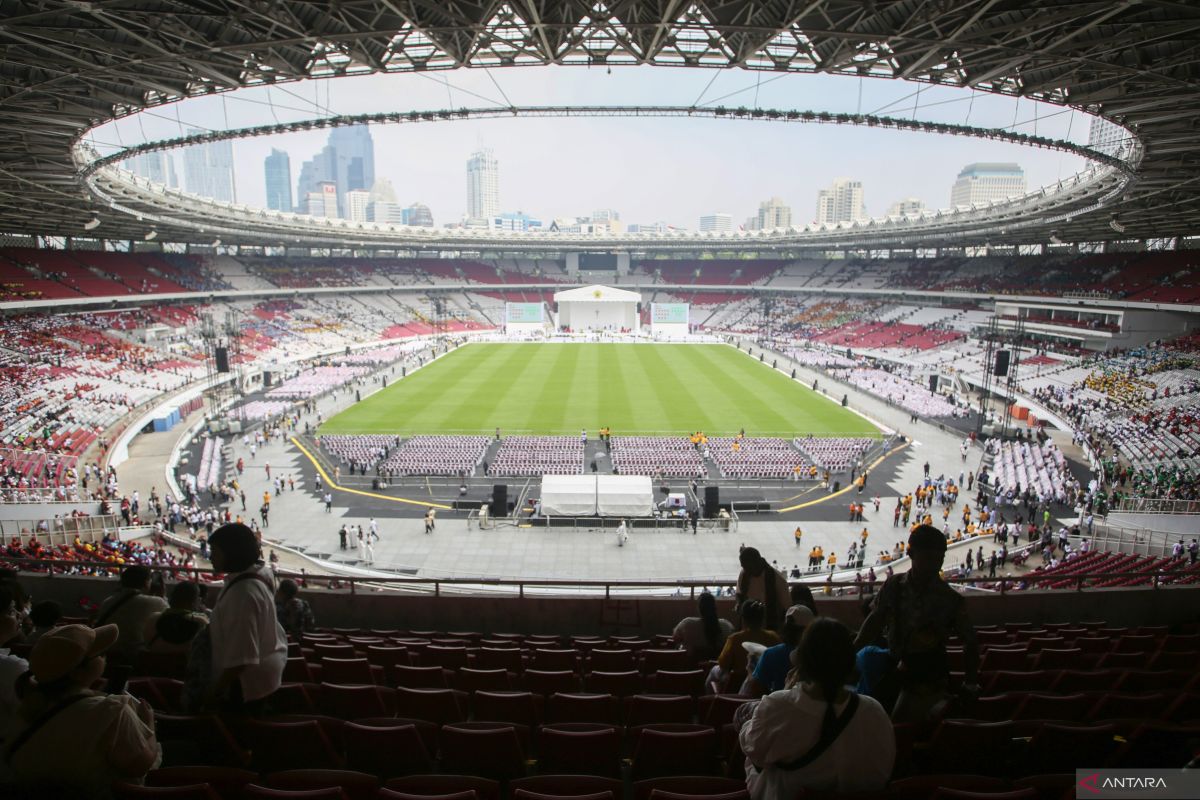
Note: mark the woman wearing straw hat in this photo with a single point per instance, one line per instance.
(70, 737)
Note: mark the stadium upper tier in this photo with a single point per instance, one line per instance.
(101, 67)
(28, 274)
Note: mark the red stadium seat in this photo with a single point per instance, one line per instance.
(565, 785)
(649, 709)
(618, 684)
(277, 746)
(443, 787)
(387, 752)
(129, 791)
(356, 785)
(227, 782)
(256, 792)
(582, 748)
(494, 753)
(574, 707)
(659, 753)
(439, 706)
(695, 785)
(523, 708)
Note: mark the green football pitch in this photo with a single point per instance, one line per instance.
(559, 389)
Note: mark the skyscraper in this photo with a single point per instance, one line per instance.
(357, 201)
(772, 214)
(353, 161)
(909, 206)
(483, 186)
(841, 202)
(418, 214)
(718, 223)
(278, 169)
(1107, 137)
(318, 170)
(208, 169)
(986, 181)
(157, 166)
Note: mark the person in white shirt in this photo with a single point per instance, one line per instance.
(249, 646)
(814, 734)
(622, 534)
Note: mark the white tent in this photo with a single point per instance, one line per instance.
(597, 495)
(598, 308)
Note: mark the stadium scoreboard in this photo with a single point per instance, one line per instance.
(523, 312)
(669, 313)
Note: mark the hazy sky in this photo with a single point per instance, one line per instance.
(650, 169)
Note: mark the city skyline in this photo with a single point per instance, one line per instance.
(669, 170)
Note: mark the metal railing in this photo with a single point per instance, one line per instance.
(1154, 579)
(1156, 505)
(89, 529)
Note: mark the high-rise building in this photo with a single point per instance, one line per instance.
(518, 221)
(356, 202)
(382, 206)
(157, 166)
(347, 161)
(841, 202)
(483, 186)
(322, 202)
(908, 207)
(208, 169)
(354, 161)
(278, 170)
(418, 214)
(773, 214)
(1108, 137)
(717, 223)
(984, 182)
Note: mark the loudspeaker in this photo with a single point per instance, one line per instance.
(712, 501)
(222, 356)
(933, 383)
(499, 500)
(1000, 368)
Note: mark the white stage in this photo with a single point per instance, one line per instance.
(598, 308)
(597, 496)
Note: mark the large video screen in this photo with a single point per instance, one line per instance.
(523, 312)
(669, 313)
(598, 261)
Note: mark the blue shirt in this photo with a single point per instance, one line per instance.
(773, 666)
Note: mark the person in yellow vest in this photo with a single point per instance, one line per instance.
(863, 536)
(832, 560)
(797, 535)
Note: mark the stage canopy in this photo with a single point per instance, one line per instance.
(598, 308)
(597, 495)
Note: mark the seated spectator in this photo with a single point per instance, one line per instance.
(71, 740)
(731, 669)
(11, 667)
(759, 581)
(775, 662)
(817, 734)
(44, 616)
(130, 608)
(172, 631)
(249, 646)
(703, 636)
(919, 612)
(294, 613)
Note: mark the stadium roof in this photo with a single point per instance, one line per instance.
(71, 65)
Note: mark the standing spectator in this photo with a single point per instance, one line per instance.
(295, 614)
(919, 612)
(130, 608)
(703, 636)
(813, 735)
(249, 647)
(73, 741)
(757, 581)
